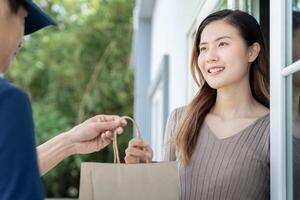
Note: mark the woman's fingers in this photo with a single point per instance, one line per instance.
(131, 160)
(137, 143)
(138, 151)
(149, 149)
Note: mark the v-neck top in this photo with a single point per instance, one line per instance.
(237, 133)
(236, 167)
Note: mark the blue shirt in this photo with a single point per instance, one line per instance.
(19, 172)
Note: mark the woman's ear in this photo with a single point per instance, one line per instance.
(254, 50)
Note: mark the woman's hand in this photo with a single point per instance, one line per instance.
(138, 152)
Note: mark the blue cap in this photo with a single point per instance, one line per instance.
(36, 19)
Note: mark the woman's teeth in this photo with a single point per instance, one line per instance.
(216, 69)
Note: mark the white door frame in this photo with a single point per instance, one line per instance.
(278, 59)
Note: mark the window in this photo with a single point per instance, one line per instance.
(156, 122)
(284, 78)
(260, 10)
(159, 98)
(293, 107)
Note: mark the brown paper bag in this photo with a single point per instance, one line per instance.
(129, 181)
(105, 181)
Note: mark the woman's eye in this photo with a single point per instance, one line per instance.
(202, 49)
(222, 44)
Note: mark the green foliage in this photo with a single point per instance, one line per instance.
(74, 71)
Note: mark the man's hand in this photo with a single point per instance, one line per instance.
(95, 133)
(92, 135)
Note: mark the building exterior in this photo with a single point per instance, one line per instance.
(163, 34)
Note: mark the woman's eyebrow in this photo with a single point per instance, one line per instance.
(219, 38)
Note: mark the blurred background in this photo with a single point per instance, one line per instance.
(74, 71)
(131, 57)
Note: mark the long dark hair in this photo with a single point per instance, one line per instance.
(188, 131)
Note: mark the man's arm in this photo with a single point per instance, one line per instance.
(92, 135)
(53, 152)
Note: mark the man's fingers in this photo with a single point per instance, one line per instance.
(106, 139)
(102, 142)
(119, 130)
(103, 118)
(108, 118)
(105, 126)
(109, 134)
(123, 122)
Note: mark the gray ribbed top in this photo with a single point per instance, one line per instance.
(236, 167)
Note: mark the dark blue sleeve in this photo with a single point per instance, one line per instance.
(19, 173)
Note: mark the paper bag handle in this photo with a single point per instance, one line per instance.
(115, 143)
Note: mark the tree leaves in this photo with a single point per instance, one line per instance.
(57, 64)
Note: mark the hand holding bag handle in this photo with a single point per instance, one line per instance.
(115, 143)
(129, 181)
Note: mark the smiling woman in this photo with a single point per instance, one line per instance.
(221, 138)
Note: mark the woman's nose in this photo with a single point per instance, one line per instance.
(211, 55)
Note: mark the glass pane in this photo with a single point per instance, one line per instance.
(222, 5)
(295, 100)
(246, 6)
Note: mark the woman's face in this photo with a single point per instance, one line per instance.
(224, 57)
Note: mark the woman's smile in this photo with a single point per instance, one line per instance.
(212, 71)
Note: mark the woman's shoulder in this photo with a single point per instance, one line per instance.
(177, 113)
(263, 123)
(261, 114)
(260, 110)
(175, 117)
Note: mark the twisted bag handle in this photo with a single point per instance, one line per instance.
(115, 143)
